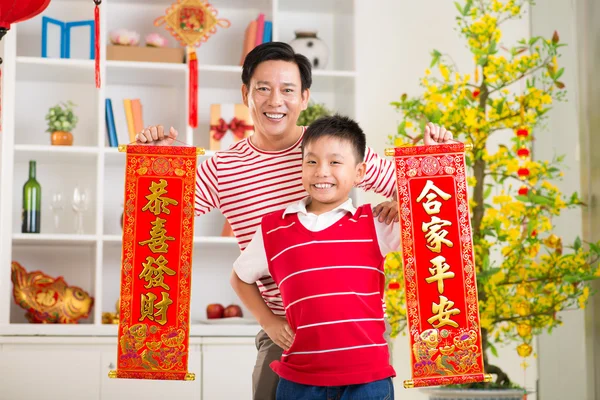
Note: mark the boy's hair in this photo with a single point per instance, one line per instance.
(340, 127)
(276, 51)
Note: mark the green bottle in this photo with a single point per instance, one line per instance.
(32, 203)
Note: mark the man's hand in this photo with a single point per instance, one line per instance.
(435, 134)
(279, 331)
(388, 211)
(156, 136)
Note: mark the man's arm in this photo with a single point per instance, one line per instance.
(249, 267)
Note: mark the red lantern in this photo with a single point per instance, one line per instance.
(523, 190)
(523, 173)
(523, 152)
(523, 132)
(13, 11)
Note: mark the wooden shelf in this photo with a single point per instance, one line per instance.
(53, 239)
(54, 154)
(145, 73)
(55, 70)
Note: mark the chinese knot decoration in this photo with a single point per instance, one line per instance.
(439, 269)
(238, 127)
(192, 22)
(154, 313)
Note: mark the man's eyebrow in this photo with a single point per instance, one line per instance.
(283, 84)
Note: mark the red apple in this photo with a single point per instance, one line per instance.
(214, 311)
(233, 311)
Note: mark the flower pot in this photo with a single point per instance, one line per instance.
(474, 394)
(309, 45)
(61, 138)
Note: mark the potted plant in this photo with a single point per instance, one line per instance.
(525, 273)
(61, 121)
(312, 112)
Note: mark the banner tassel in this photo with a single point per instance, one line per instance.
(97, 41)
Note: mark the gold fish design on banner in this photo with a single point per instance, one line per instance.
(48, 300)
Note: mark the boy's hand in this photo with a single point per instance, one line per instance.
(156, 136)
(279, 331)
(435, 134)
(387, 211)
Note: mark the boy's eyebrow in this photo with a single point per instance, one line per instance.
(332, 154)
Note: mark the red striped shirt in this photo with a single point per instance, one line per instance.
(332, 284)
(246, 183)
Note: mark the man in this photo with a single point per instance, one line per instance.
(263, 173)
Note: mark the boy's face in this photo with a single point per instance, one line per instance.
(329, 172)
(275, 98)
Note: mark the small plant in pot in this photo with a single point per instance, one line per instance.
(61, 121)
(313, 111)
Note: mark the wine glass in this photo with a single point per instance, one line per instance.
(57, 205)
(80, 205)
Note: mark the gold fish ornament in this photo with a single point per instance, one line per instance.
(49, 300)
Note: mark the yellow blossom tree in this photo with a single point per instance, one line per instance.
(525, 274)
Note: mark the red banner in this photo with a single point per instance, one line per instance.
(439, 267)
(156, 271)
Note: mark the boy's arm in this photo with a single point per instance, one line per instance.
(388, 237)
(250, 266)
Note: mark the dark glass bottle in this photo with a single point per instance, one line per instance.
(32, 203)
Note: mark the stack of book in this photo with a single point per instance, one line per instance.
(258, 31)
(133, 116)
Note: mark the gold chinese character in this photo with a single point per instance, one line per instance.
(157, 242)
(147, 306)
(162, 306)
(155, 275)
(443, 312)
(435, 237)
(439, 272)
(156, 203)
(430, 206)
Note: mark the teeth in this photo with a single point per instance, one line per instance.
(274, 116)
(323, 185)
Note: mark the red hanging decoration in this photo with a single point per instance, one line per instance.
(192, 22)
(13, 11)
(193, 99)
(97, 40)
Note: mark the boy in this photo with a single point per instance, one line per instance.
(327, 259)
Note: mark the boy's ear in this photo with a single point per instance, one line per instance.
(361, 169)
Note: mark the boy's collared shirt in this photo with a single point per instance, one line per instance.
(252, 264)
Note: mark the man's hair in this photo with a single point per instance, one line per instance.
(276, 51)
(340, 127)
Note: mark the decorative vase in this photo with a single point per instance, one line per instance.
(474, 394)
(308, 44)
(61, 138)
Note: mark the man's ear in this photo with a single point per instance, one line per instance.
(305, 98)
(361, 169)
(245, 94)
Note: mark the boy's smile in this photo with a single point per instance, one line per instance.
(329, 172)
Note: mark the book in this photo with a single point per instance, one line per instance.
(268, 32)
(249, 40)
(129, 118)
(136, 110)
(260, 28)
(110, 124)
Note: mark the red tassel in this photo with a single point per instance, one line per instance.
(193, 91)
(97, 40)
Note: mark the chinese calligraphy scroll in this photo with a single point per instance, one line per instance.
(439, 269)
(156, 263)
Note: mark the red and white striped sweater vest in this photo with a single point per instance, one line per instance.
(332, 285)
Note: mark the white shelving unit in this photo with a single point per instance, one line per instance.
(31, 85)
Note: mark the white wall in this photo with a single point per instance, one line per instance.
(394, 43)
(562, 354)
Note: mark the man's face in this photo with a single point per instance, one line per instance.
(275, 98)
